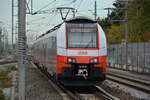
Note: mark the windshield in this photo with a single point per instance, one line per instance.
(82, 35)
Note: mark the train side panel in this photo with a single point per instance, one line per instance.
(61, 49)
(103, 49)
(45, 52)
(51, 59)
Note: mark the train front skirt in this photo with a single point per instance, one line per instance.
(81, 75)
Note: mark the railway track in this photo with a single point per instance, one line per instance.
(7, 62)
(96, 93)
(139, 84)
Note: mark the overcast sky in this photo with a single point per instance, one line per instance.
(40, 23)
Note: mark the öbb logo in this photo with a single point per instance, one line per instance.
(82, 52)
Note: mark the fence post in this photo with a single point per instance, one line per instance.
(117, 55)
(132, 58)
(137, 58)
(121, 56)
(144, 58)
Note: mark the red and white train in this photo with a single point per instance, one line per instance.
(75, 52)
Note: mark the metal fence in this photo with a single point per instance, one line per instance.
(138, 57)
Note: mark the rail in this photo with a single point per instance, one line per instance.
(7, 62)
(139, 84)
(105, 93)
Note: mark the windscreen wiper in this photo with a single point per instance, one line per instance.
(89, 44)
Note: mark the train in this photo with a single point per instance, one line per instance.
(75, 52)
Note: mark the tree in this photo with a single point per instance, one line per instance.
(139, 22)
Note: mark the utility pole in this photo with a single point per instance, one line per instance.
(21, 48)
(127, 32)
(16, 35)
(31, 7)
(95, 13)
(6, 41)
(0, 40)
(12, 23)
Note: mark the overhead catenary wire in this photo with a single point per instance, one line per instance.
(46, 5)
(28, 1)
(38, 19)
(107, 5)
(53, 9)
(68, 3)
(79, 4)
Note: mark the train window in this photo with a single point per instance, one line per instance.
(82, 35)
(53, 42)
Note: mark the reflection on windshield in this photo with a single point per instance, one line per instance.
(82, 35)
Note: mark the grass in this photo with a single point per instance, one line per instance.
(2, 96)
(5, 81)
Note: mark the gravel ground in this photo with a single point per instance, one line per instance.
(37, 87)
(119, 91)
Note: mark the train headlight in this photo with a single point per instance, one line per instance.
(71, 60)
(94, 60)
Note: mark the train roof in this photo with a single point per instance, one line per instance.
(80, 19)
(51, 30)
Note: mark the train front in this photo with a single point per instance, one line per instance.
(81, 53)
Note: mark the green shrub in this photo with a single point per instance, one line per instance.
(9, 52)
(2, 96)
(13, 68)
